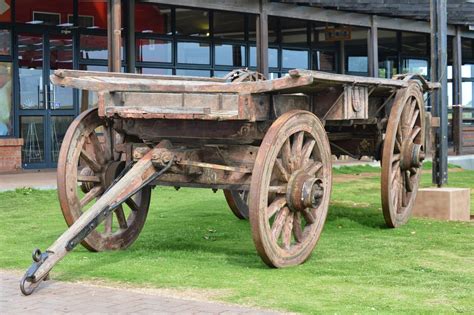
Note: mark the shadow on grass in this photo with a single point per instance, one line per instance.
(368, 217)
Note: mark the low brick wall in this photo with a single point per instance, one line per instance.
(10, 154)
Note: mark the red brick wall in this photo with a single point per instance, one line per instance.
(10, 154)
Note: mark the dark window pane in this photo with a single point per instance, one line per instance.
(32, 132)
(273, 57)
(294, 32)
(230, 55)
(152, 18)
(272, 29)
(93, 14)
(196, 53)
(357, 51)
(5, 42)
(59, 125)
(154, 50)
(6, 102)
(467, 50)
(51, 12)
(229, 25)
(294, 59)
(193, 72)
(252, 27)
(191, 22)
(158, 71)
(415, 44)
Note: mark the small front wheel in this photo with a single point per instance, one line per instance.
(290, 189)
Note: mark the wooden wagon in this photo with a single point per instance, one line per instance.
(267, 143)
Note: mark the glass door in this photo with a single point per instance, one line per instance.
(45, 111)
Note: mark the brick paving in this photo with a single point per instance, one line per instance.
(55, 297)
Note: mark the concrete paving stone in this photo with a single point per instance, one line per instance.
(54, 297)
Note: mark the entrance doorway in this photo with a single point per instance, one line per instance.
(44, 110)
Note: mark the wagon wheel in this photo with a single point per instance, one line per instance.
(403, 155)
(290, 189)
(237, 201)
(86, 168)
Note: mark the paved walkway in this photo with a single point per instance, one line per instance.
(44, 179)
(55, 297)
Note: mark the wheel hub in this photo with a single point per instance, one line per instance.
(412, 155)
(304, 191)
(112, 171)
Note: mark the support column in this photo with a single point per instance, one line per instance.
(457, 64)
(131, 55)
(114, 34)
(262, 40)
(439, 64)
(373, 48)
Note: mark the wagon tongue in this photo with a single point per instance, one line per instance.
(132, 179)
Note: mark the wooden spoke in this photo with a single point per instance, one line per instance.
(88, 178)
(97, 148)
(396, 158)
(414, 133)
(132, 204)
(286, 233)
(277, 189)
(108, 224)
(314, 167)
(308, 216)
(398, 146)
(306, 151)
(93, 164)
(408, 183)
(282, 170)
(122, 220)
(413, 119)
(297, 230)
(275, 206)
(286, 156)
(279, 222)
(297, 147)
(90, 195)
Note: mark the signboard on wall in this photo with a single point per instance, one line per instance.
(337, 33)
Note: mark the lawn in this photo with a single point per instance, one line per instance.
(191, 241)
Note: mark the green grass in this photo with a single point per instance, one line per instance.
(192, 241)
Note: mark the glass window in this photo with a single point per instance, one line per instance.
(418, 66)
(32, 132)
(253, 56)
(220, 74)
(5, 42)
(6, 83)
(190, 22)
(92, 14)
(357, 51)
(252, 25)
(273, 57)
(30, 64)
(294, 59)
(230, 55)
(294, 32)
(467, 71)
(193, 72)
(194, 53)
(153, 50)
(59, 125)
(467, 50)
(51, 12)
(229, 25)
(158, 71)
(468, 94)
(93, 47)
(272, 29)
(153, 18)
(6, 11)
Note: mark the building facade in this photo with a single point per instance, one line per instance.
(191, 38)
